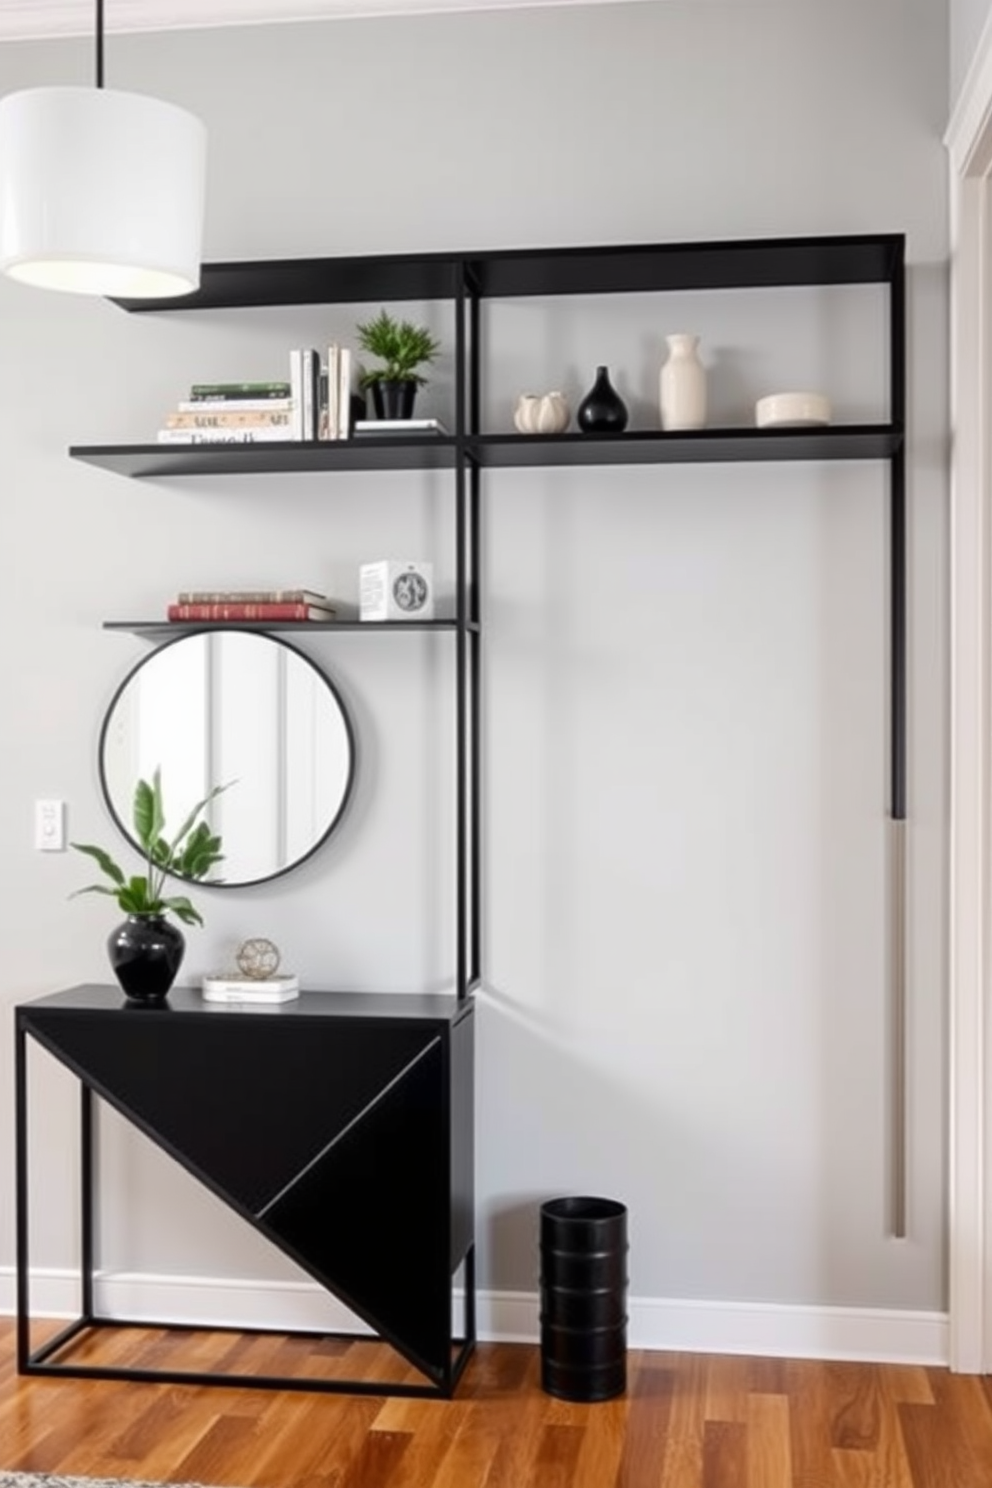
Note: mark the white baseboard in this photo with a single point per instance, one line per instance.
(774, 1330)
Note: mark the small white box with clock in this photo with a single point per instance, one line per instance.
(396, 590)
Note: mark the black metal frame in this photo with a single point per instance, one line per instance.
(467, 279)
(43, 1360)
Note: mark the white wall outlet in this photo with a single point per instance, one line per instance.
(49, 826)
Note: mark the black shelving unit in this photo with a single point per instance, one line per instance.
(468, 279)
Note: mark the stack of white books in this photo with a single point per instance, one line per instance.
(230, 987)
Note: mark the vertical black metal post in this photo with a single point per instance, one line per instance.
(86, 1246)
(475, 638)
(897, 744)
(469, 1318)
(21, 1195)
(475, 730)
(461, 656)
(98, 38)
(475, 355)
(897, 497)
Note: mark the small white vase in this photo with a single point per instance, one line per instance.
(683, 384)
(541, 413)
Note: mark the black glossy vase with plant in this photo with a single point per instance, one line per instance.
(402, 347)
(147, 950)
(602, 410)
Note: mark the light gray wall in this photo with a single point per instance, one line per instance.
(685, 719)
(967, 20)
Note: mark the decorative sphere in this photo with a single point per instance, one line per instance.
(258, 959)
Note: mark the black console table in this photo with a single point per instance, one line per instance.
(338, 1125)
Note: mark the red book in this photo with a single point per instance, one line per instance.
(243, 610)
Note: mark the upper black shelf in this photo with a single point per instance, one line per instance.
(641, 447)
(604, 269)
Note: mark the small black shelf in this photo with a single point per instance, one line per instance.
(157, 629)
(642, 447)
(273, 457)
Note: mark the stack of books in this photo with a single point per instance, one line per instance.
(231, 413)
(256, 605)
(230, 987)
(322, 394)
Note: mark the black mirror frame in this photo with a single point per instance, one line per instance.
(346, 796)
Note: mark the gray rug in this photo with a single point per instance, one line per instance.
(55, 1480)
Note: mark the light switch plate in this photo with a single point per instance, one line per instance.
(49, 826)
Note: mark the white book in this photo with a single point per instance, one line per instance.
(333, 389)
(400, 426)
(344, 392)
(268, 432)
(311, 392)
(246, 989)
(296, 383)
(234, 405)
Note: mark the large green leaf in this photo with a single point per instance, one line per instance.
(200, 806)
(136, 897)
(149, 817)
(104, 859)
(200, 853)
(182, 907)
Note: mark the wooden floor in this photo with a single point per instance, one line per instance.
(687, 1421)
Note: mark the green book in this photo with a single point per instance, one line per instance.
(201, 390)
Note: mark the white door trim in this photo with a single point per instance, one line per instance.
(969, 142)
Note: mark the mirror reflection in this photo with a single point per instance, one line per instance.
(239, 706)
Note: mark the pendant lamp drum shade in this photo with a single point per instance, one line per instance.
(101, 192)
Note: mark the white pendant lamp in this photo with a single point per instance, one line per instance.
(101, 192)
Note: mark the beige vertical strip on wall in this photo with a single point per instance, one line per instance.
(897, 1077)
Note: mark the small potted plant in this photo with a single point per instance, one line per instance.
(402, 347)
(146, 952)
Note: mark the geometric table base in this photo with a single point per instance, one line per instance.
(338, 1126)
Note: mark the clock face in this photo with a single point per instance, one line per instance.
(410, 592)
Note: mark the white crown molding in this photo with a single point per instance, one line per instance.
(968, 132)
(870, 1334)
(26, 20)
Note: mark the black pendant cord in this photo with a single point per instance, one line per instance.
(99, 43)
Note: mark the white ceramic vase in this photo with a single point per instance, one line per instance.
(541, 413)
(683, 384)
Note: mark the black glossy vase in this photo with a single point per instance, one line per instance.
(394, 400)
(602, 410)
(146, 953)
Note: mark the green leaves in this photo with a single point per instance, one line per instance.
(201, 853)
(147, 813)
(402, 345)
(105, 861)
(192, 852)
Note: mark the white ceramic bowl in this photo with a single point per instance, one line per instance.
(795, 409)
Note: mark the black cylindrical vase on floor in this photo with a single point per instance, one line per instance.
(602, 410)
(146, 953)
(583, 1298)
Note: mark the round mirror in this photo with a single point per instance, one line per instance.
(222, 706)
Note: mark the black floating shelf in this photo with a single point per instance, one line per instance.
(160, 628)
(837, 442)
(275, 457)
(603, 269)
(642, 447)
